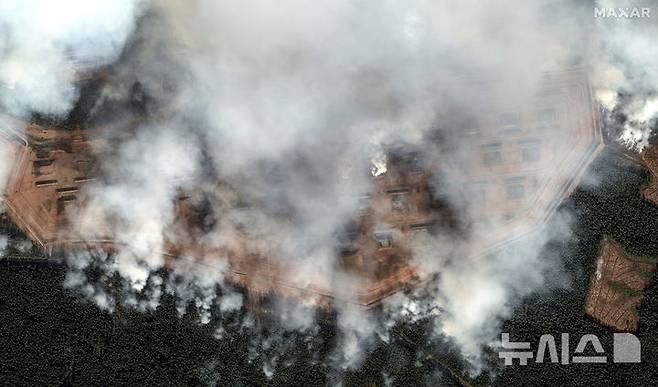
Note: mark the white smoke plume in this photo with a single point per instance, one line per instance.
(287, 103)
(44, 44)
(626, 71)
(291, 111)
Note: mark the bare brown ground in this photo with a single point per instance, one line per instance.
(616, 287)
(53, 165)
(47, 198)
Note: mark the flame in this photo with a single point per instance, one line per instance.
(378, 164)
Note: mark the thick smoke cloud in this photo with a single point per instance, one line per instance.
(290, 104)
(291, 112)
(43, 44)
(625, 71)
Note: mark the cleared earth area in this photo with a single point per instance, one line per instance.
(617, 286)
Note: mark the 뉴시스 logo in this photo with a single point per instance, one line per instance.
(622, 13)
(626, 349)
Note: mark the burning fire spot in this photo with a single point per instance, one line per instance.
(378, 164)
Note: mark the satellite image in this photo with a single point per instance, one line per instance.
(328, 193)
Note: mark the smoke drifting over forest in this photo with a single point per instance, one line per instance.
(290, 101)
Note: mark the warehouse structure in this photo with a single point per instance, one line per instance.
(516, 163)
